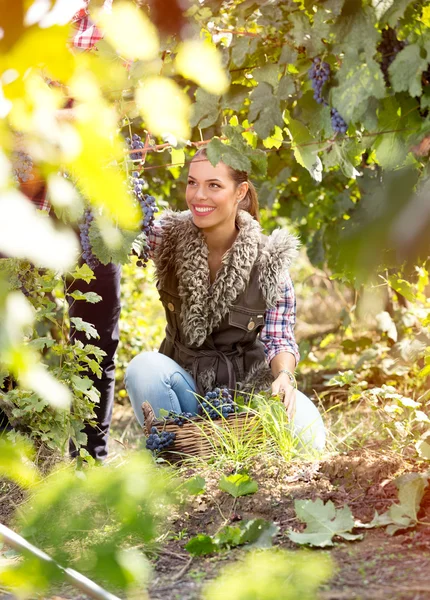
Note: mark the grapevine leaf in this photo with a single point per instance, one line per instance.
(201, 544)
(304, 147)
(288, 55)
(274, 141)
(214, 151)
(269, 74)
(323, 522)
(235, 159)
(205, 110)
(84, 272)
(240, 50)
(235, 97)
(395, 12)
(195, 486)
(258, 160)
(286, 87)
(264, 111)
(355, 30)
(118, 252)
(406, 70)
(394, 117)
(258, 532)
(229, 536)
(423, 449)
(238, 484)
(39, 344)
(90, 297)
(358, 83)
(81, 384)
(87, 328)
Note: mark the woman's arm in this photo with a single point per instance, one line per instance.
(280, 345)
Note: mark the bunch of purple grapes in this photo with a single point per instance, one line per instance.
(135, 143)
(389, 47)
(179, 418)
(319, 74)
(23, 166)
(337, 122)
(84, 230)
(149, 208)
(218, 403)
(157, 441)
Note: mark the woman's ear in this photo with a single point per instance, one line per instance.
(242, 190)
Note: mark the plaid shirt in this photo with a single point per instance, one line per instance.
(86, 35)
(277, 334)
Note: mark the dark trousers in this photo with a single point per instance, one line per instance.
(104, 315)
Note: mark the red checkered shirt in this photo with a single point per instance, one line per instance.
(277, 334)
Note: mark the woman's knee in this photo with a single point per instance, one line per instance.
(308, 423)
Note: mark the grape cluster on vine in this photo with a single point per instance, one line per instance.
(157, 441)
(179, 418)
(135, 143)
(23, 166)
(84, 230)
(389, 47)
(149, 208)
(319, 74)
(218, 403)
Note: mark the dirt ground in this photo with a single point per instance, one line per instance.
(379, 566)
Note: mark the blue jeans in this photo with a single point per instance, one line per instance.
(159, 380)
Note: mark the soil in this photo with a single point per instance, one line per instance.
(378, 566)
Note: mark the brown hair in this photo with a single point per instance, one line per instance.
(250, 202)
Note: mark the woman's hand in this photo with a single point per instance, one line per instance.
(283, 388)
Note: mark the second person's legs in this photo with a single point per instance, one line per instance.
(155, 378)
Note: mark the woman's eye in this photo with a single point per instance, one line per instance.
(215, 185)
(190, 182)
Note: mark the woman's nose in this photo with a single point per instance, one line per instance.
(200, 193)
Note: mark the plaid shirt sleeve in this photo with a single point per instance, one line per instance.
(277, 334)
(155, 237)
(86, 34)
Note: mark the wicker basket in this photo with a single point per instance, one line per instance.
(198, 437)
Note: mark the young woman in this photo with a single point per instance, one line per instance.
(229, 302)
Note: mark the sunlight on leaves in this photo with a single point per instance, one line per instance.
(238, 485)
(201, 62)
(164, 107)
(130, 31)
(15, 462)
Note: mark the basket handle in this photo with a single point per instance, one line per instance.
(149, 416)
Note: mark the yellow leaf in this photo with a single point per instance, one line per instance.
(425, 17)
(164, 107)
(130, 31)
(275, 140)
(201, 62)
(42, 49)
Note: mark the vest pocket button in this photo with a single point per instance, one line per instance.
(171, 307)
(251, 325)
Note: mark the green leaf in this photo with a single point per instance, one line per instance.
(323, 522)
(235, 159)
(15, 463)
(81, 384)
(394, 11)
(214, 151)
(201, 545)
(268, 74)
(395, 115)
(275, 141)
(84, 272)
(423, 449)
(264, 111)
(304, 147)
(195, 486)
(238, 485)
(87, 328)
(90, 297)
(235, 97)
(358, 83)
(286, 87)
(40, 343)
(258, 532)
(120, 245)
(205, 110)
(406, 70)
(240, 50)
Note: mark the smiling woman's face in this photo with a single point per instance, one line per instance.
(212, 194)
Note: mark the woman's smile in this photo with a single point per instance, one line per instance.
(201, 210)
